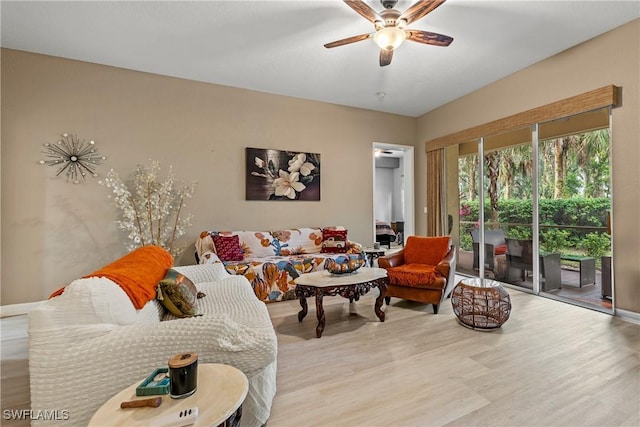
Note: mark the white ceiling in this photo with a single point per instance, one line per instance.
(277, 46)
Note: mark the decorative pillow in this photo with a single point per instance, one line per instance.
(94, 300)
(334, 241)
(228, 248)
(305, 241)
(178, 294)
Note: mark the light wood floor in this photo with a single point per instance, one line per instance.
(551, 364)
(14, 367)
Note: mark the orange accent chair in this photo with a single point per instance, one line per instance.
(422, 271)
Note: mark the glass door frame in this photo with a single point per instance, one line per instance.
(535, 199)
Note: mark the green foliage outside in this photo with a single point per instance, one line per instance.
(466, 242)
(514, 216)
(554, 240)
(596, 244)
(573, 189)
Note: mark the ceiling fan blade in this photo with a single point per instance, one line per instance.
(347, 40)
(364, 10)
(426, 37)
(385, 57)
(419, 10)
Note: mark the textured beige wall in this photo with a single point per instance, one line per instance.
(54, 232)
(613, 58)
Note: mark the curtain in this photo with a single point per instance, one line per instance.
(435, 193)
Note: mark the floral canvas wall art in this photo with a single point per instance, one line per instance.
(282, 175)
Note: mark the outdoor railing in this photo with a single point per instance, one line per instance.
(493, 225)
(567, 251)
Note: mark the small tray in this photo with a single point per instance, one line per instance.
(149, 387)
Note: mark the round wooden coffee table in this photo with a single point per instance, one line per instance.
(221, 389)
(480, 303)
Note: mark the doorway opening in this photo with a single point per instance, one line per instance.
(393, 200)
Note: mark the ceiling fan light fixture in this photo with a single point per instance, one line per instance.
(389, 38)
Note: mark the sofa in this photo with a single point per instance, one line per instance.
(272, 260)
(90, 341)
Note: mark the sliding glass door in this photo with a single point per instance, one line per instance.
(468, 209)
(508, 204)
(575, 206)
(533, 213)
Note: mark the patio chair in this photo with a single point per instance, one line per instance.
(519, 256)
(494, 246)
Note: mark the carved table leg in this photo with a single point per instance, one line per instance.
(302, 313)
(382, 285)
(320, 314)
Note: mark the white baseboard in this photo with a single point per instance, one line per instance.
(628, 316)
(17, 309)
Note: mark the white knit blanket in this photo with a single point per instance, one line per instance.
(78, 367)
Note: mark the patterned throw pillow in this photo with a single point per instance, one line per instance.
(228, 248)
(334, 241)
(178, 294)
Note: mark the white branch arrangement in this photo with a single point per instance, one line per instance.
(153, 210)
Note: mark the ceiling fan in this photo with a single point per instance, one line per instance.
(390, 25)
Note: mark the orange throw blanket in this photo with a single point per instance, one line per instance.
(137, 273)
(426, 250)
(412, 275)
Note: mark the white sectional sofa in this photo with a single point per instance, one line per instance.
(90, 342)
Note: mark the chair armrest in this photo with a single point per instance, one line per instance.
(447, 268)
(444, 266)
(392, 260)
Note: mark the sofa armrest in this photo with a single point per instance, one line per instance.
(200, 273)
(204, 244)
(392, 260)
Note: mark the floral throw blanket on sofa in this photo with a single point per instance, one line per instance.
(272, 260)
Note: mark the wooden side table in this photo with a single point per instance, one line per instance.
(372, 254)
(220, 391)
(481, 303)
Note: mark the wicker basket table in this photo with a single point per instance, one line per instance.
(480, 303)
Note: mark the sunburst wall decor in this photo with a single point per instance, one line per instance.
(77, 157)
